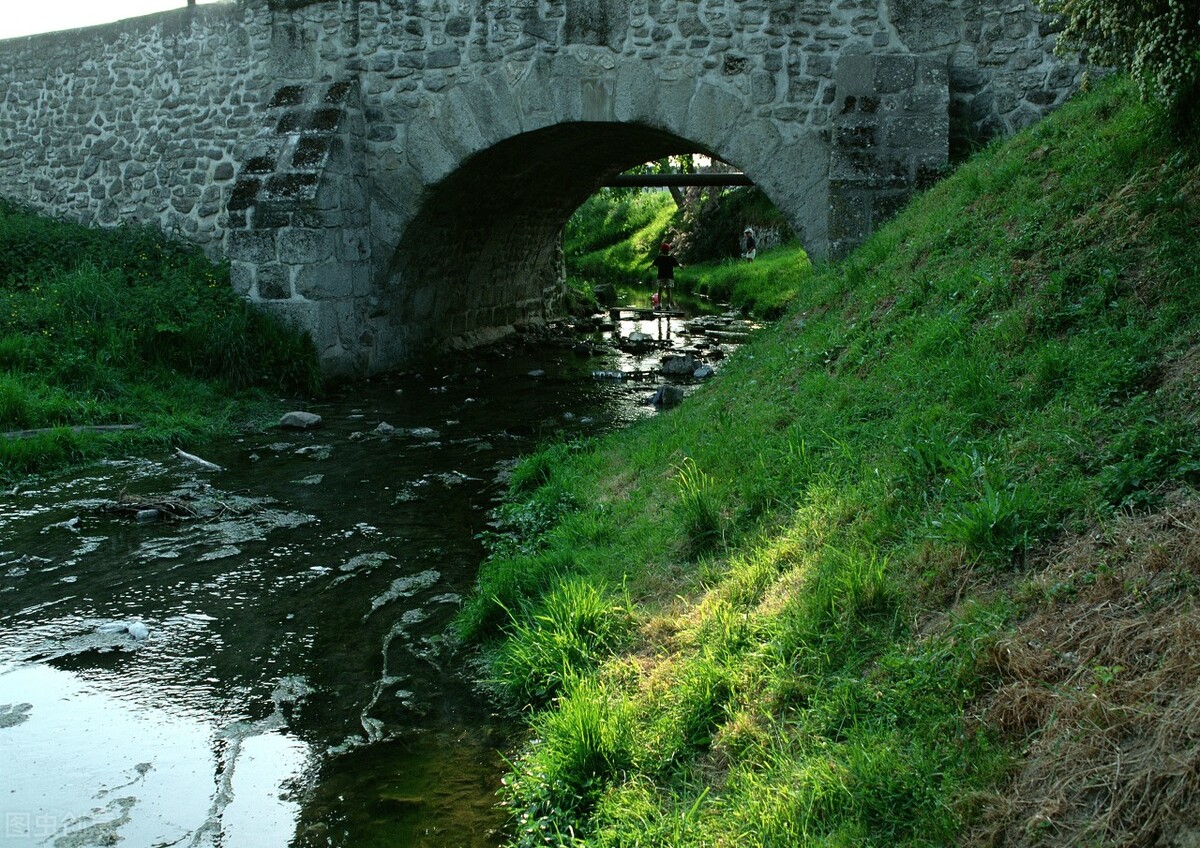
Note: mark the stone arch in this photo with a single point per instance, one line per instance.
(466, 231)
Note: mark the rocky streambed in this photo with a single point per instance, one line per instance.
(246, 644)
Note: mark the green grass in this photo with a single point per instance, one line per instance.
(612, 238)
(765, 287)
(103, 327)
(1010, 361)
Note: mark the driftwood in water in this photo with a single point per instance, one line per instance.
(178, 507)
(165, 507)
(195, 460)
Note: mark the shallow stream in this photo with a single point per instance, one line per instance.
(273, 670)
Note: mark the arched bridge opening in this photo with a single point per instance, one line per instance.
(484, 252)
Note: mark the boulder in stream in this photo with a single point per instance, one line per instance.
(678, 366)
(300, 420)
(667, 395)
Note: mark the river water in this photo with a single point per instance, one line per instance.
(274, 671)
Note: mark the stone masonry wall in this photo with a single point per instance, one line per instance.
(137, 121)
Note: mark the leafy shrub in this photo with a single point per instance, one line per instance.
(1158, 41)
(137, 301)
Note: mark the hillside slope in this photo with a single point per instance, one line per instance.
(920, 567)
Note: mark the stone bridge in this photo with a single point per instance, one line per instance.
(394, 174)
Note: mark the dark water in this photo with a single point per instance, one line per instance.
(275, 671)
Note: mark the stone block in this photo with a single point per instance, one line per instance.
(636, 93)
(330, 280)
(926, 26)
(918, 133)
(305, 246)
(445, 57)
(274, 282)
(855, 75)
(241, 277)
(925, 100)
(353, 245)
(595, 22)
(379, 132)
(857, 136)
(933, 71)
(762, 87)
(256, 246)
(849, 216)
(271, 216)
(894, 73)
(458, 26)
(429, 153)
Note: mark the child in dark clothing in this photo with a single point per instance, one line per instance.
(666, 265)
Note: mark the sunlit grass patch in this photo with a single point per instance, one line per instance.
(584, 747)
(565, 636)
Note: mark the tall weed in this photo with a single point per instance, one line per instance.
(586, 744)
(574, 628)
(699, 506)
(985, 513)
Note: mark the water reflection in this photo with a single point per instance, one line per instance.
(274, 671)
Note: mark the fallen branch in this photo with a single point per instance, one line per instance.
(203, 463)
(78, 428)
(167, 507)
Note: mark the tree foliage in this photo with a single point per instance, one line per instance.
(1157, 41)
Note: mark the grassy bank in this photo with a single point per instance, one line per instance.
(764, 288)
(614, 236)
(101, 328)
(919, 567)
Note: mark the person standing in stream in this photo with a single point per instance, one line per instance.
(666, 265)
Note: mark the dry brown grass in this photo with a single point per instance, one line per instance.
(1100, 686)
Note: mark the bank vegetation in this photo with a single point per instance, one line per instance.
(115, 340)
(921, 566)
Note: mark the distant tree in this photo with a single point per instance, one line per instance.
(1157, 41)
(682, 164)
